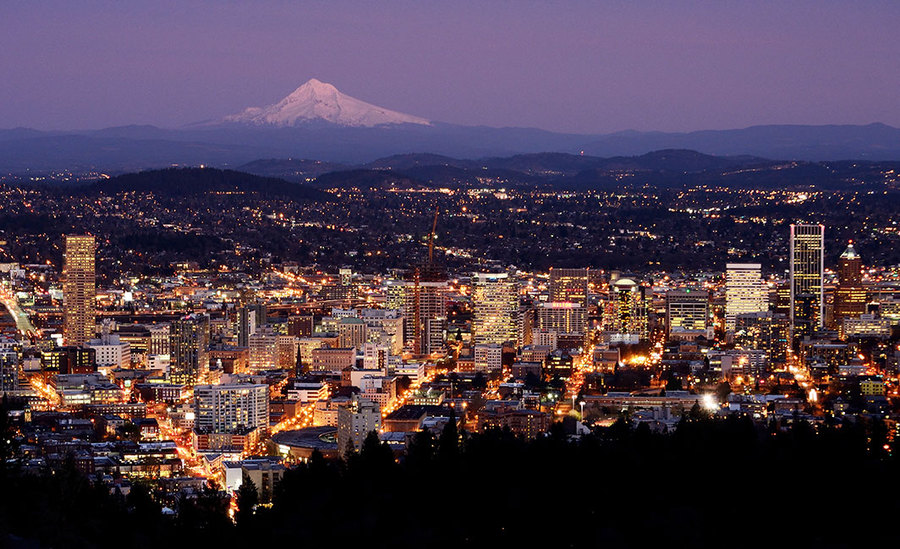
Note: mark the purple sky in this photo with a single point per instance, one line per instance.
(573, 66)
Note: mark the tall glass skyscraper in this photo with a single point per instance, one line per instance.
(496, 302)
(79, 290)
(807, 268)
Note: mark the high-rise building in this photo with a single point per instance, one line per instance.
(807, 258)
(9, 371)
(488, 358)
(435, 334)
(745, 291)
(569, 285)
(232, 408)
(766, 331)
(79, 289)
(159, 339)
(850, 297)
(263, 344)
(356, 421)
(351, 332)
(189, 349)
(687, 312)
(300, 325)
(428, 298)
(562, 318)
(384, 327)
(625, 313)
(111, 351)
(495, 301)
(250, 318)
(286, 351)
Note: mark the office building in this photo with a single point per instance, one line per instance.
(79, 289)
(807, 266)
(189, 346)
(159, 339)
(300, 325)
(569, 285)
(351, 332)
(110, 351)
(488, 358)
(418, 303)
(625, 313)
(231, 408)
(495, 301)
(355, 422)
(286, 352)
(687, 313)
(850, 297)
(263, 344)
(562, 318)
(230, 417)
(250, 318)
(745, 291)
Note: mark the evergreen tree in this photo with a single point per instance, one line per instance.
(247, 500)
(448, 443)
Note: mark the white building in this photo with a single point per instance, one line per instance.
(745, 291)
(231, 408)
(111, 352)
(488, 358)
(356, 421)
(308, 392)
(384, 327)
(495, 301)
(562, 318)
(263, 345)
(375, 357)
(415, 371)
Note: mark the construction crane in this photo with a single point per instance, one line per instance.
(431, 237)
(417, 291)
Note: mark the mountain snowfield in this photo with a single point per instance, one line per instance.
(320, 101)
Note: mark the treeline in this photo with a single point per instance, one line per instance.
(712, 483)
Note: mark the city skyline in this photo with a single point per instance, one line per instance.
(399, 274)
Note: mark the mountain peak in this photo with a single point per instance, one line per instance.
(320, 101)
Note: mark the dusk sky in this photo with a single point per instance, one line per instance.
(587, 67)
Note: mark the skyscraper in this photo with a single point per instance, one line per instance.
(233, 408)
(562, 318)
(745, 291)
(250, 318)
(263, 344)
(850, 296)
(79, 289)
(807, 267)
(625, 313)
(189, 347)
(431, 298)
(569, 285)
(687, 313)
(496, 303)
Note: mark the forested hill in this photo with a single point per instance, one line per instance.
(178, 182)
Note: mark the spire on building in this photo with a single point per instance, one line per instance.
(850, 252)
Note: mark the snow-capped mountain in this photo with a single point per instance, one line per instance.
(319, 101)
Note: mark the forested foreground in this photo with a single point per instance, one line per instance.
(713, 483)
